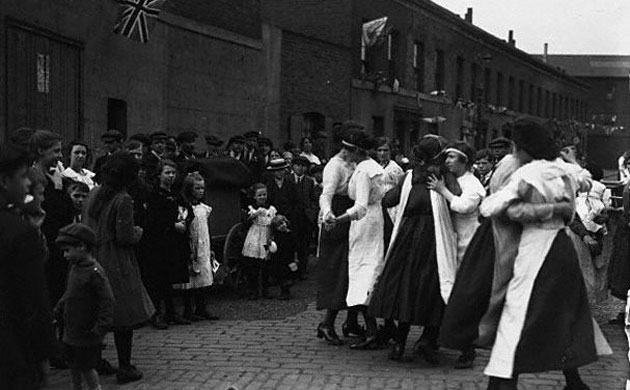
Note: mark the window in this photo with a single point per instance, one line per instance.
(459, 82)
(378, 126)
(117, 115)
(510, 93)
(521, 96)
(539, 103)
(439, 70)
(499, 100)
(418, 65)
(473, 82)
(530, 99)
(554, 105)
(547, 104)
(393, 48)
(487, 84)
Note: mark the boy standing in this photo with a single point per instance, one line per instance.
(87, 306)
(78, 193)
(305, 216)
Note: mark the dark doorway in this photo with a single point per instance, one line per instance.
(117, 115)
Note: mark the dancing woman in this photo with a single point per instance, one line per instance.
(332, 269)
(545, 323)
(421, 260)
(366, 246)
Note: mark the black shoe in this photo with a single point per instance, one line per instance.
(176, 319)
(327, 333)
(128, 374)
(397, 352)
(428, 352)
(104, 368)
(206, 315)
(583, 386)
(371, 342)
(466, 360)
(354, 330)
(158, 322)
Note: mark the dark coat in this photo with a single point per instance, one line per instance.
(165, 251)
(87, 305)
(98, 167)
(279, 262)
(285, 198)
(26, 333)
(117, 237)
(307, 209)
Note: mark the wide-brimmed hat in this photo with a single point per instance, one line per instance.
(76, 233)
(277, 164)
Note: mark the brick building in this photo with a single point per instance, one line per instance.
(420, 79)
(608, 102)
(65, 70)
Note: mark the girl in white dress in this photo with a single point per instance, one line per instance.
(200, 267)
(366, 245)
(255, 248)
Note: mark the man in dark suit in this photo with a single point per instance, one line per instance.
(112, 139)
(281, 192)
(305, 215)
(26, 333)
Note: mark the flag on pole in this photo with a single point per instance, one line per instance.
(135, 16)
(373, 31)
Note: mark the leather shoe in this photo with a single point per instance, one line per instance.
(397, 352)
(466, 360)
(327, 333)
(128, 374)
(371, 342)
(103, 367)
(352, 330)
(158, 322)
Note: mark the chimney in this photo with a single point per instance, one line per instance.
(511, 40)
(468, 17)
(545, 52)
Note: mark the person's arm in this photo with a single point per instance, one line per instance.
(126, 232)
(497, 203)
(105, 298)
(359, 209)
(465, 203)
(537, 212)
(392, 197)
(330, 181)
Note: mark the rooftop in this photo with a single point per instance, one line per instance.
(590, 65)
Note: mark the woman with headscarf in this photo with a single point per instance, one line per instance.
(366, 246)
(421, 259)
(545, 322)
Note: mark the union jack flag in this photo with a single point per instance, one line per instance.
(133, 22)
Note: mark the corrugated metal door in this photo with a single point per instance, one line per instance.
(43, 81)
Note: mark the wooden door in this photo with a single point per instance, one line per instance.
(43, 81)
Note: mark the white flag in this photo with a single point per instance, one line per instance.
(373, 30)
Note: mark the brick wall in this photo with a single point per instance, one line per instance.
(239, 16)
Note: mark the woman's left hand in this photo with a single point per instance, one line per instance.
(435, 184)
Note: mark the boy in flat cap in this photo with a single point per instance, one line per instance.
(87, 306)
(500, 147)
(306, 211)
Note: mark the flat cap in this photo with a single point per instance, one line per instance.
(500, 141)
(186, 136)
(252, 134)
(158, 135)
(76, 233)
(301, 160)
(237, 139)
(213, 140)
(112, 135)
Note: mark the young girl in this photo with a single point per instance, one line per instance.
(257, 239)
(200, 267)
(282, 265)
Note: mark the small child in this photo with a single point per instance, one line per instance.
(282, 265)
(201, 277)
(257, 240)
(78, 192)
(87, 306)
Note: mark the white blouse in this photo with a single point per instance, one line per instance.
(85, 176)
(335, 179)
(365, 188)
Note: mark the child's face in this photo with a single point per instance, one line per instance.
(260, 196)
(199, 189)
(283, 227)
(483, 166)
(75, 253)
(78, 197)
(299, 169)
(167, 176)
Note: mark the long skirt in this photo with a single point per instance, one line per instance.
(470, 297)
(619, 264)
(408, 289)
(546, 322)
(332, 268)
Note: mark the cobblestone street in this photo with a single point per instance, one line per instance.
(284, 354)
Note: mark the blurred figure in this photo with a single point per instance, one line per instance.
(306, 145)
(112, 141)
(213, 146)
(76, 172)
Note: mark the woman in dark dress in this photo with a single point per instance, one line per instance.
(165, 246)
(409, 289)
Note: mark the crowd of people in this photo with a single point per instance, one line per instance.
(499, 248)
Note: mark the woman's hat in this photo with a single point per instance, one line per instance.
(277, 164)
(357, 138)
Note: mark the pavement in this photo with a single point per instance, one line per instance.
(270, 344)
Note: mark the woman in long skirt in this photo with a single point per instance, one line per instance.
(366, 246)
(421, 259)
(332, 268)
(545, 323)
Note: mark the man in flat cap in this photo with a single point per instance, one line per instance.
(213, 146)
(253, 158)
(156, 152)
(236, 148)
(500, 147)
(112, 140)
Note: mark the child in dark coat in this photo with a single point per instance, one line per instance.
(87, 306)
(282, 266)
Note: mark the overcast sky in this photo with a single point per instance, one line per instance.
(569, 26)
